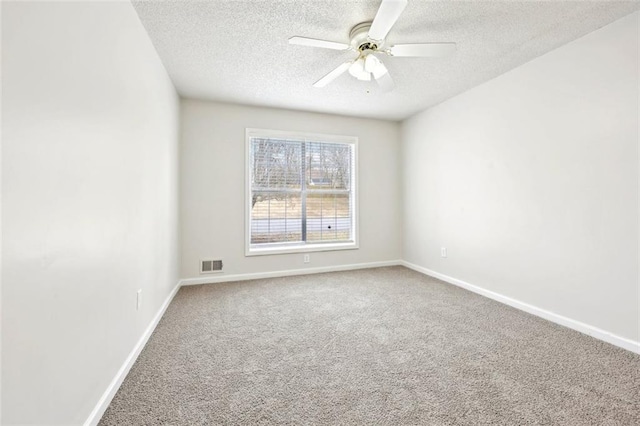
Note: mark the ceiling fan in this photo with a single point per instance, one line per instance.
(368, 41)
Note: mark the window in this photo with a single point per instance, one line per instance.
(300, 192)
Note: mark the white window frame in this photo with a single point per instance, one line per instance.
(303, 247)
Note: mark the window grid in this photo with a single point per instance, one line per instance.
(322, 170)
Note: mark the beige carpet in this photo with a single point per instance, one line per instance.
(378, 346)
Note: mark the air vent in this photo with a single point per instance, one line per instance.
(210, 266)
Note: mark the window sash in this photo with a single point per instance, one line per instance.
(310, 222)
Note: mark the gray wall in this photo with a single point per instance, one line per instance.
(90, 202)
(531, 182)
(213, 186)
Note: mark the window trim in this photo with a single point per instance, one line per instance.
(295, 247)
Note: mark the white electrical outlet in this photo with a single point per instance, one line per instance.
(443, 251)
(138, 299)
(306, 258)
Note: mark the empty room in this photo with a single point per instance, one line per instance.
(320, 212)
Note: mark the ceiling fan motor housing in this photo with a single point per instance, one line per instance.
(360, 40)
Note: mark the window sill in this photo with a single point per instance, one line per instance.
(307, 248)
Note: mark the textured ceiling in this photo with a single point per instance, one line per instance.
(237, 51)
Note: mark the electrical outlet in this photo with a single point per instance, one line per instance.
(443, 251)
(138, 299)
(306, 258)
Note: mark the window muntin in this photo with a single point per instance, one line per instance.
(301, 192)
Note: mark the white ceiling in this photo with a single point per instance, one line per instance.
(237, 50)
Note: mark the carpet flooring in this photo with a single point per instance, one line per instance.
(382, 346)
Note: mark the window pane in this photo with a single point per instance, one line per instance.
(276, 218)
(328, 165)
(300, 191)
(276, 164)
(328, 217)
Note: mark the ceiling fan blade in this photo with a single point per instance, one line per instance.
(304, 41)
(383, 78)
(423, 49)
(387, 15)
(332, 75)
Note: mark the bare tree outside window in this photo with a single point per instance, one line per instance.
(276, 165)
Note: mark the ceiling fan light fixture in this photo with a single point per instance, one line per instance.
(357, 68)
(364, 76)
(379, 70)
(363, 67)
(371, 62)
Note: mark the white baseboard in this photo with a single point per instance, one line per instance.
(113, 387)
(592, 331)
(286, 273)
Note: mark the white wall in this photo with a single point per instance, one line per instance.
(0, 215)
(89, 194)
(213, 186)
(531, 182)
